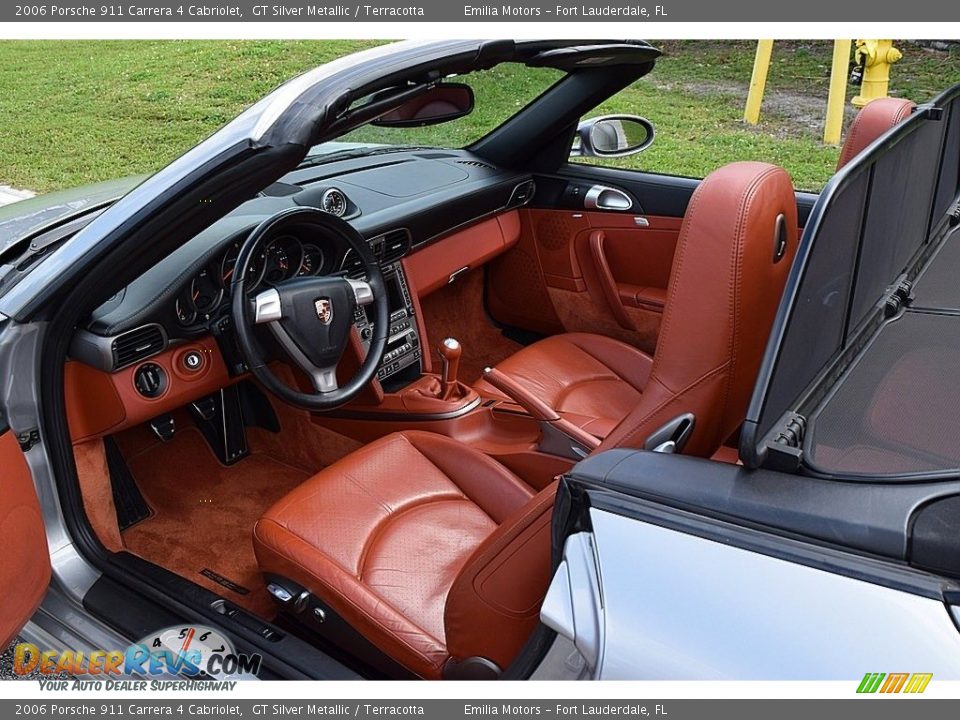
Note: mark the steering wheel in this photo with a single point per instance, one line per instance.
(311, 317)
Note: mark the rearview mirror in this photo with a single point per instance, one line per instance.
(439, 104)
(612, 136)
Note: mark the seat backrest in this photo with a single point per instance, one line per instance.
(870, 123)
(737, 242)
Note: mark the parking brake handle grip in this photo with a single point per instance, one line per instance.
(537, 408)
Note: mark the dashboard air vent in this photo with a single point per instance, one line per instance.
(476, 164)
(395, 245)
(522, 194)
(137, 344)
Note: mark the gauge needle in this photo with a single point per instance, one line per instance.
(187, 640)
(196, 294)
(227, 275)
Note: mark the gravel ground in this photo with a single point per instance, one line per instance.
(6, 666)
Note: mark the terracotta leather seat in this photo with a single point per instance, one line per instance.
(431, 550)
(724, 289)
(436, 553)
(870, 123)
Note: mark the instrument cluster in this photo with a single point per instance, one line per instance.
(282, 258)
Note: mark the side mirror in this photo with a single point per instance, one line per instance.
(612, 136)
(439, 104)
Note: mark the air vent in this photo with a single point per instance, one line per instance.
(522, 194)
(138, 344)
(476, 164)
(395, 245)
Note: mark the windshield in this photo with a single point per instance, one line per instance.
(499, 93)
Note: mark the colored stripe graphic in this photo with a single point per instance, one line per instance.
(918, 682)
(895, 682)
(871, 682)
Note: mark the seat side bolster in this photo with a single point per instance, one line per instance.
(487, 483)
(281, 552)
(502, 586)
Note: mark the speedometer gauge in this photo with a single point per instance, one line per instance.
(229, 264)
(334, 202)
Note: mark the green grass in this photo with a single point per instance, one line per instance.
(73, 112)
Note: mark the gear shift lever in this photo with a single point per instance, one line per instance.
(450, 352)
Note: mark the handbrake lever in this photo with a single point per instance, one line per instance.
(560, 436)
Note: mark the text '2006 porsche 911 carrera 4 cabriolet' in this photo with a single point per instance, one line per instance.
(362, 404)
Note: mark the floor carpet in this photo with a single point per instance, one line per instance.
(204, 514)
(457, 311)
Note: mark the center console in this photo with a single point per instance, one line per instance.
(403, 343)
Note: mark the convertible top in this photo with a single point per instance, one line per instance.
(859, 376)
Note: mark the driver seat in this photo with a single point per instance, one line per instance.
(439, 556)
(433, 552)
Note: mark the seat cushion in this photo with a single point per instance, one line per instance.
(593, 376)
(382, 534)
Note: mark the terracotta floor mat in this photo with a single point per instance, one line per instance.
(204, 514)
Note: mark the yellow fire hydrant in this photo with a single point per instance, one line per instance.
(877, 56)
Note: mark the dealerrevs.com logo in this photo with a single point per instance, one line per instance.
(889, 683)
(194, 652)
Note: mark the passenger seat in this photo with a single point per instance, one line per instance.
(736, 245)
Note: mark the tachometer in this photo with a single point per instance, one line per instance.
(284, 256)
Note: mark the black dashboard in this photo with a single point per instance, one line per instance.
(399, 201)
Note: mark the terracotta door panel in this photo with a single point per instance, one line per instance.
(586, 271)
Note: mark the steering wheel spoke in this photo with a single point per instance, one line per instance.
(324, 379)
(267, 307)
(362, 292)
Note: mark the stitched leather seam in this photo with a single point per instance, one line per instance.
(614, 373)
(379, 528)
(485, 460)
(736, 278)
(669, 311)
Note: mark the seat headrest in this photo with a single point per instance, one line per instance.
(870, 123)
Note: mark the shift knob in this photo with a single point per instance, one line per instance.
(450, 352)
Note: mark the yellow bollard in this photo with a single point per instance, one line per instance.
(758, 81)
(833, 128)
(878, 56)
